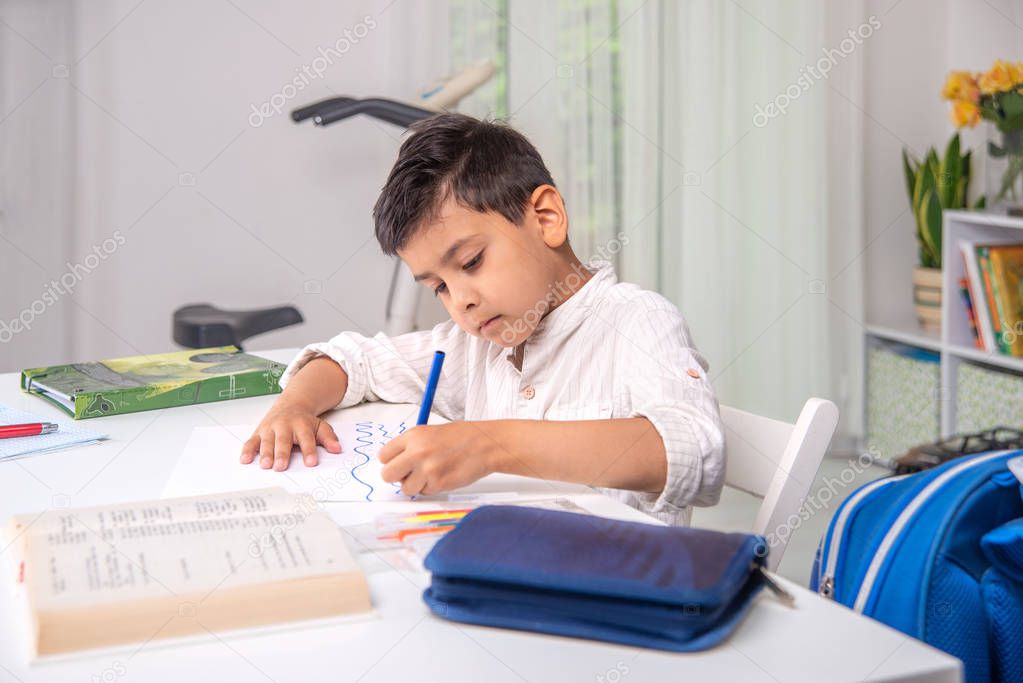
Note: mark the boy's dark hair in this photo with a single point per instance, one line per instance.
(484, 165)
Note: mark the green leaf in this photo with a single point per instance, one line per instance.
(1012, 104)
(945, 189)
(909, 166)
(959, 196)
(924, 182)
(953, 161)
(980, 204)
(966, 177)
(990, 114)
(1011, 123)
(949, 172)
(930, 224)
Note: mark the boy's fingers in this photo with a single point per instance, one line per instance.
(397, 469)
(413, 484)
(326, 435)
(391, 449)
(307, 443)
(266, 450)
(249, 449)
(282, 450)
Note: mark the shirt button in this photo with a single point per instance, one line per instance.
(529, 392)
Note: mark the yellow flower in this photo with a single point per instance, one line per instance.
(1016, 72)
(999, 78)
(965, 113)
(960, 85)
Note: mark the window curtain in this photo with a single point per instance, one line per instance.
(647, 115)
(557, 82)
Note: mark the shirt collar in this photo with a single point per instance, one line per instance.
(573, 310)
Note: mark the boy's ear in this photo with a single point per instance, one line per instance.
(550, 215)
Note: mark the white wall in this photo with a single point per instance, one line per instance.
(36, 178)
(149, 141)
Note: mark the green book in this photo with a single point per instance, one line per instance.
(997, 315)
(166, 380)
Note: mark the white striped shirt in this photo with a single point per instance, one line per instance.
(611, 350)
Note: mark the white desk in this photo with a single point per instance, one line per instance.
(818, 641)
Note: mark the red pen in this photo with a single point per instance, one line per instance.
(9, 431)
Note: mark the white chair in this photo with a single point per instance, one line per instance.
(777, 462)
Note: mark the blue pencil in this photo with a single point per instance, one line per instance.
(431, 388)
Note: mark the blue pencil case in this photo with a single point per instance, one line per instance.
(571, 574)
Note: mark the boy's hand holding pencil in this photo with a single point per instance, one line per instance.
(431, 459)
(434, 458)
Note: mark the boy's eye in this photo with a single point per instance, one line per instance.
(470, 264)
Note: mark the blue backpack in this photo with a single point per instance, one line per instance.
(937, 555)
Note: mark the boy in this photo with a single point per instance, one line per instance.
(602, 385)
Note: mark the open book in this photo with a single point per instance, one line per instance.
(136, 572)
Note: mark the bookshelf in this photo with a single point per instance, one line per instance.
(954, 343)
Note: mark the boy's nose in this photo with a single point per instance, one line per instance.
(464, 298)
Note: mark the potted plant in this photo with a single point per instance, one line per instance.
(933, 185)
(995, 95)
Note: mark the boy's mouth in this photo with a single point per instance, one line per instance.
(489, 323)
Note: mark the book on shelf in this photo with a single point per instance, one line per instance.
(964, 291)
(165, 380)
(1006, 265)
(994, 272)
(978, 299)
(116, 575)
(984, 267)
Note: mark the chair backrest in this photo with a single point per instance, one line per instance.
(777, 462)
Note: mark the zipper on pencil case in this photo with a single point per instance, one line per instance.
(783, 595)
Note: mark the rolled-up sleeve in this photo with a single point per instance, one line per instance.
(395, 369)
(667, 383)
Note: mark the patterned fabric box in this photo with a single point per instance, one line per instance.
(902, 397)
(988, 398)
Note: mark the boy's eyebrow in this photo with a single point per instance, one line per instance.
(448, 255)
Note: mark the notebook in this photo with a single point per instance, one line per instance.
(68, 434)
(164, 380)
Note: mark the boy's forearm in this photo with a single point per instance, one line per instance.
(625, 453)
(317, 387)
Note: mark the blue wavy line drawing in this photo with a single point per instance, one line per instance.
(372, 434)
(387, 436)
(397, 485)
(365, 438)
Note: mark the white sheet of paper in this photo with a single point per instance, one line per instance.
(68, 434)
(210, 464)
